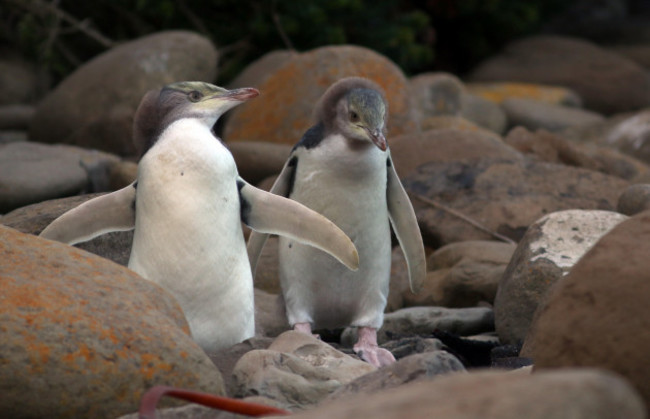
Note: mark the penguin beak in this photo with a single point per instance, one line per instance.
(378, 139)
(240, 94)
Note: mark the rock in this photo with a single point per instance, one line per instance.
(503, 196)
(462, 274)
(32, 219)
(554, 148)
(597, 315)
(297, 370)
(445, 145)
(196, 411)
(32, 172)
(497, 92)
(483, 113)
(300, 82)
(632, 136)
(12, 136)
(457, 123)
(424, 320)
(436, 94)
(256, 73)
(413, 368)
(87, 336)
(407, 346)
(226, 359)
(575, 394)
(258, 160)
(573, 63)
(270, 314)
(267, 275)
(15, 117)
(534, 114)
(94, 106)
(640, 54)
(634, 199)
(546, 253)
(19, 82)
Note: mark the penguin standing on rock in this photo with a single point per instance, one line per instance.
(342, 169)
(187, 205)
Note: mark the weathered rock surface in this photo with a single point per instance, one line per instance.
(534, 114)
(94, 106)
(417, 367)
(462, 274)
(32, 219)
(497, 92)
(547, 252)
(84, 337)
(16, 117)
(446, 145)
(503, 196)
(302, 80)
(580, 65)
(424, 320)
(570, 394)
(597, 315)
(297, 370)
(258, 160)
(633, 200)
(632, 136)
(32, 172)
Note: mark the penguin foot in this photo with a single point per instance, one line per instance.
(367, 348)
(305, 328)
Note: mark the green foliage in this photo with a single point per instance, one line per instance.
(242, 29)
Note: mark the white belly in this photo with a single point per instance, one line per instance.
(188, 238)
(317, 288)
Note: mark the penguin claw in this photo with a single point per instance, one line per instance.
(379, 357)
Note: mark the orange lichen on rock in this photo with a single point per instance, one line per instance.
(497, 92)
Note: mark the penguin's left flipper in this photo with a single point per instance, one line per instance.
(273, 214)
(111, 212)
(405, 225)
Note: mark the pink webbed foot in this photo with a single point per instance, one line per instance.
(367, 348)
(304, 328)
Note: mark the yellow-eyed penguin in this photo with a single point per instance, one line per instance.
(342, 168)
(187, 205)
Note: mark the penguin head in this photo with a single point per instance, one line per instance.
(357, 109)
(188, 99)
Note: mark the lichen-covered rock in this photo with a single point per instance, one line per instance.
(84, 337)
(283, 112)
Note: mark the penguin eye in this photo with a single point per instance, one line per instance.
(354, 117)
(195, 95)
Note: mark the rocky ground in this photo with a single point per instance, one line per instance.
(529, 179)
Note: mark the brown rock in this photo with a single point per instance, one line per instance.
(633, 200)
(267, 275)
(257, 160)
(84, 337)
(548, 250)
(597, 315)
(497, 92)
(32, 219)
(283, 112)
(575, 394)
(95, 105)
(270, 314)
(577, 64)
(503, 196)
(445, 145)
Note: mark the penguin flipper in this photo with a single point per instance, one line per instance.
(405, 225)
(111, 212)
(282, 187)
(273, 214)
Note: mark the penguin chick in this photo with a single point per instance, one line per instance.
(342, 169)
(186, 207)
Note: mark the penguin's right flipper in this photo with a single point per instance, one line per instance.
(282, 187)
(273, 214)
(111, 212)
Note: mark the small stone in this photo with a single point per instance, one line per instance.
(634, 199)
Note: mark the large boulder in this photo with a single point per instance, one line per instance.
(607, 82)
(94, 106)
(84, 337)
(547, 252)
(571, 394)
(283, 112)
(597, 315)
(503, 196)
